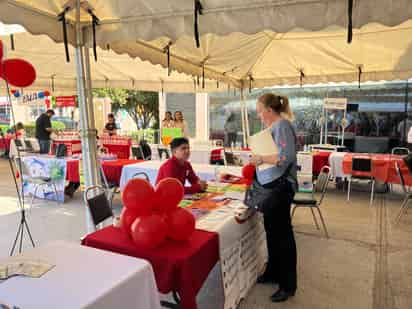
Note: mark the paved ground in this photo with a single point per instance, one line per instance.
(367, 262)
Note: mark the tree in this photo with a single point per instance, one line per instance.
(142, 106)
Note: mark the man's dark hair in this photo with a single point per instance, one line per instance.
(111, 115)
(178, 141)
(50, 111)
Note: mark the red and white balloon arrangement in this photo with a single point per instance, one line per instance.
(151, 215)
(17, 72)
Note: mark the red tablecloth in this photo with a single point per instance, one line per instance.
(320, 159)
(178, 266)
(72, 171)
(383, 167)
(5, 143)
(113, 169)
(122, 151)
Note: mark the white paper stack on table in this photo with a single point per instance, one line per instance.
(262, 144)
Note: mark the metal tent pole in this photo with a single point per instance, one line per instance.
(242, 113)
(87, 131)
(246, 132)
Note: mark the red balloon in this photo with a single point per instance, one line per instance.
(127, 217)
(169, 192)
(248, 171)
(46, 93)
(149, 231)
(18, 72)
(181, 224)
(138, 195)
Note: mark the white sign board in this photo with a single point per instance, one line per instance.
(335, 103)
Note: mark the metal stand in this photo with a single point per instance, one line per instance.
(20, 233)
(20, 194)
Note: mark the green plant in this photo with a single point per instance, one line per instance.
(58, 125)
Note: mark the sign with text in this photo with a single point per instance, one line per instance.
(335, 103)
(66, 101)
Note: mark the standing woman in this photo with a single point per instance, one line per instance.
(275, 113)
(181, 123)
(168, 122)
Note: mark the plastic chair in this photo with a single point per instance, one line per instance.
(362, 170)
(310, 201)
(98, 204)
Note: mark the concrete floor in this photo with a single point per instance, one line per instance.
(366, 263)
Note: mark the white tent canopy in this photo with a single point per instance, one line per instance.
(128, 20)
(242, 40)
(266, 58)
(111, 70)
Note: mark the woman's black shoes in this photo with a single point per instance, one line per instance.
(281, 295)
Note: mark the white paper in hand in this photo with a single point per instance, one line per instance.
(262, 144)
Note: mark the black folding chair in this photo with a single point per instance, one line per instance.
(98, 204)
(309, 200)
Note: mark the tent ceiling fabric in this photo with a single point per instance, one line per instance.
(267, 58)
(111, 70)
(243, 40)
(149, 19)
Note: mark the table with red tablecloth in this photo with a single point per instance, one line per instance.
(119, 145)
(383, 167)
(5, 143)
(113, 169)
(72, 170)
(178, 266)
(320, 159)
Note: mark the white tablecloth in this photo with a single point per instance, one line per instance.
(204, 171)
(83, 278)
(243, 252)
(336, 164)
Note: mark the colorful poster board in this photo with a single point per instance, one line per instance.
(52, 168)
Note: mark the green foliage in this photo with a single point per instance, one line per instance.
(147, 134)
(58, 125)
(4, 128)
(30, 128)
(142, 106)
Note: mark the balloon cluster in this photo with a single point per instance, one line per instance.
(40, 95)
(17, 72)
(151, 215)
(248, 173)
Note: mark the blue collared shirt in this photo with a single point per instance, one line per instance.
(283, 134)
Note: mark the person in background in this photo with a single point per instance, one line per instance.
(231, 130)
(168, 121)
(281, 179)
(43, 130)
(402, 131)
(17, 130)
(179, 167)
(110, 127)
(181, 123)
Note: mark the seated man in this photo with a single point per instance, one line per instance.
(180, 168)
